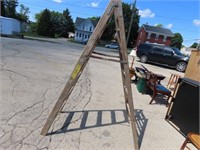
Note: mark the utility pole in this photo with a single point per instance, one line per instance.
(129, 30)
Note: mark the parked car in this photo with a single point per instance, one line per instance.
(162, 54)
(84, 42)
(112, 45)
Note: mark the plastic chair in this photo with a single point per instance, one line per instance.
(192, 138)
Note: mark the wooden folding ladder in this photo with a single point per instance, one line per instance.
(114, 7)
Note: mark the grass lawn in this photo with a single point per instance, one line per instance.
(34, 34)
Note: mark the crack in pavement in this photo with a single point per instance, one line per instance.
(35, 79)
(21, 129)
(88, 91)
(17, 126)
(16, 73)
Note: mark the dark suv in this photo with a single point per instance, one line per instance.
(162, 54)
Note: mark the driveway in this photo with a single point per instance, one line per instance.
(33, 75)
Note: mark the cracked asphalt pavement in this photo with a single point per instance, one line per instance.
(33, 75)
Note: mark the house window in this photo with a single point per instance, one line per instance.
(90, 28)
(79, 34)
(83, 27)
(88, 36)
(85, 36)
(161, 37)
(153, 36)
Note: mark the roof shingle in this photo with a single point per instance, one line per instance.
(81, 20)
(158, 30)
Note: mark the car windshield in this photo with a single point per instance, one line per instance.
(177, 51)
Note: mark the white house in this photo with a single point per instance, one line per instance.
(187, 50)
(9, 26)
(84, 28)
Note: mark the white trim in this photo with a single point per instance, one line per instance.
(165, 38)
(157, 37)
(149, 35)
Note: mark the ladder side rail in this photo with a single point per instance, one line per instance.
(120, 22)
(121, 65)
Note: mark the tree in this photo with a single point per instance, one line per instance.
(3, 11)
(194, 45)
(32, 27)
(159, 25)
(23, 14)
(44, 24)
(127, 14)
(177, 40)
(53, 23)
(95, 18)
(59, 23)
(70, 23)
(10, 8)
(109, 30)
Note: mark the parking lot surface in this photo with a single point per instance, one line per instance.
(33, 75)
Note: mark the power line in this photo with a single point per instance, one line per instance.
(192, 31)
(70, 4)
(40, 8)
(76, 5)
(173, 18)
(190, 40)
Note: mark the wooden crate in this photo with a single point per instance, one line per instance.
(193, 68)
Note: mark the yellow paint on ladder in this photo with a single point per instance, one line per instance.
(76, 71)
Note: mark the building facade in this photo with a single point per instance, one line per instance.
(84, 29)
(153, 34)
(9, 26)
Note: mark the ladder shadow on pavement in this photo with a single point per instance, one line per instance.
(141, 123)
(99, 118)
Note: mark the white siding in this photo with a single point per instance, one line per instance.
(84, 31)
(9, 25)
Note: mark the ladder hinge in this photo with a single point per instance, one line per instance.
(112, 7)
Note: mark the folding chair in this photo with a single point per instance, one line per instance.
(192, 138)
(157, 88)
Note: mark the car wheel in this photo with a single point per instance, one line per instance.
(181, 66)
(144, 58)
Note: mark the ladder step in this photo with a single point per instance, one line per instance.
(103, 58)
(124, 62)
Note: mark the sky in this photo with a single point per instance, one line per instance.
(180, 16)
